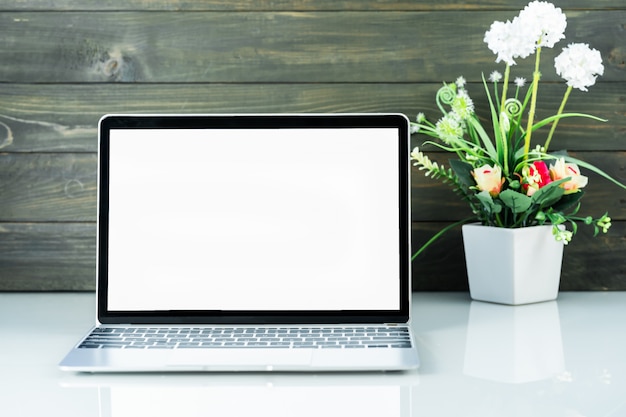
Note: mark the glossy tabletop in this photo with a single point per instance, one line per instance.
(562, 358)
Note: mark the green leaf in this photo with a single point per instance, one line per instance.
(549, 194)
(494, 152)
(517, 202)
(568, 201)
(484, 137)
(551, 119)
(485, 198)
(463, 171)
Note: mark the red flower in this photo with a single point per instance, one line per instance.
(536, 176)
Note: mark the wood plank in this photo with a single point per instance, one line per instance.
(63, 117)
(588, 263)
(48, 187)
(47, 257)
(62, 187)
(61, 257)
(290, 5)
(278, 47)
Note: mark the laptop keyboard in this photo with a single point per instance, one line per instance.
(246, 337)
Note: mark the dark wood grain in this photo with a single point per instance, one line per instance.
(51, 256)
(61, 256)
(48, 187)
(63, 117)
(262, 5)
(279, 47)
(66, 63)
(62, 187)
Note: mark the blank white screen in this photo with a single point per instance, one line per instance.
(285, 219)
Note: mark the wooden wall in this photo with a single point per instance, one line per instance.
(65, 63)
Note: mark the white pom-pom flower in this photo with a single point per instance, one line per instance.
(546, 22)
(510, 40)
(579, 65)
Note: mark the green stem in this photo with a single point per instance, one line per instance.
(505, 86)
(503, 139)
(533, 104)
(438, 235)
(498, 220)
(556, 122)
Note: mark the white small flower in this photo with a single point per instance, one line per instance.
(495, 77)
(562, 235)
(424, 163)
(460, 82)
(416, 154)
(579, 65)
(470, 157)
(520, 82)
(449, 128)
(462, 105)
(421, 117)
(544, 21)
(605, 223)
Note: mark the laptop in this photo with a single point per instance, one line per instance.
(251, 243)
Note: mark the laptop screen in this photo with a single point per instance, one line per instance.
(255, 218)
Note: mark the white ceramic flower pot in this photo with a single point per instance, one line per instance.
(512, 266)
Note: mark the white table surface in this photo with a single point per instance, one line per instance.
(562, 358)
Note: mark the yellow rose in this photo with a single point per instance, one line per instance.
(489, 179)
(561, 170)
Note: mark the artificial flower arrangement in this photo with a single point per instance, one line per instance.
(505, 181)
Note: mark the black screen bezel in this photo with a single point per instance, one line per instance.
(111, 122)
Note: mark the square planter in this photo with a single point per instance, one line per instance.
(512, 266)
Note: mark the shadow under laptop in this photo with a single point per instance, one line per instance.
(246, 394)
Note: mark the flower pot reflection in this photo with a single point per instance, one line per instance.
(514, 345)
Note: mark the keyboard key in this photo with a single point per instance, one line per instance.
(275, 337)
